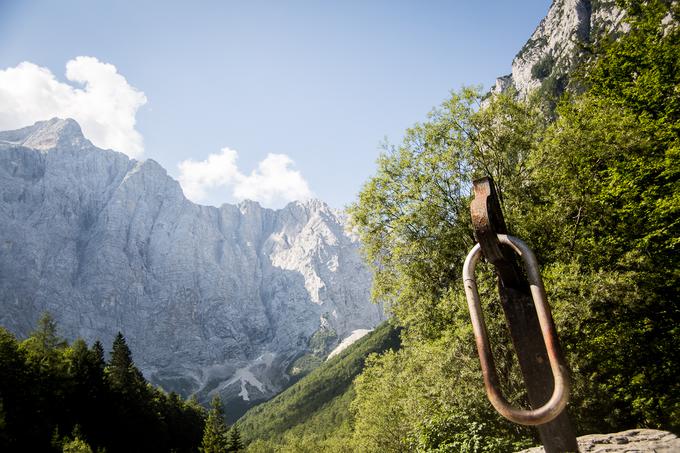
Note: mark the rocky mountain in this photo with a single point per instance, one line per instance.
(559, 43)
(210, 299)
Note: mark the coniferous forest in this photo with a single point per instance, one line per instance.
(60, 397)
(587, 169)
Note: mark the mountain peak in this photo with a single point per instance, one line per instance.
(309, 205)
(212, 301)
(44, 135)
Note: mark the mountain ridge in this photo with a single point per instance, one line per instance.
(108, 243)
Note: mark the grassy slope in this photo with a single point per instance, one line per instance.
(319, 401)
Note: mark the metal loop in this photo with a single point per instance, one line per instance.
(560, 395)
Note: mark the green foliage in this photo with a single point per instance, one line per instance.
(613, 214)
(304, 365)
(640, 70)
(234, 444)
(639, 75)
(457, 432)
(593, 188)
(44, 346)
(215, 432)
(409, 214)
(620, 348)
(543, 67)
(328, 429)
(121, 372)
(316, 406)
(74, 443)
(76, 446)
(48, 387)
(413, 215)
(320, 344)
(408, 400)
(322, 341)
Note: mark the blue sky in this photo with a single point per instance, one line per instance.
(322, 83)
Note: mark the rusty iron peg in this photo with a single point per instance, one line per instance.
(560, 395)
(528, 317)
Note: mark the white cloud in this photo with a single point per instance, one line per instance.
(273, 183)
(105, 106)
(218, 170)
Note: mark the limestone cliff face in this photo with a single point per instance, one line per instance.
(210, 299)
(558, 43)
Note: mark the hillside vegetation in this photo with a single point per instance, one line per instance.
(590, 182)
(317, 405)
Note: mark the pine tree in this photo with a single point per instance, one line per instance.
(215, 432)
(234, 444)
(46, 334)
(80, 360)
(132, 402)
(121, 371)
(12, 381)
(97, 365)
(44, 346)
(98, 354)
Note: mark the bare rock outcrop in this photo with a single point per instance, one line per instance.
(559, 42)
(631, 441)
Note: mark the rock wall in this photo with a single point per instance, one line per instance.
(210, 299)
(558, 43)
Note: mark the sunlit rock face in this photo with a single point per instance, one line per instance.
(558, 43)
(209, 299)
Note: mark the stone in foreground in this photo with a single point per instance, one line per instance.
(631, 441)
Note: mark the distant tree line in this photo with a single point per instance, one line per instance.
(56, 397)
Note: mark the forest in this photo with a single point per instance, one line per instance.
(56, 397)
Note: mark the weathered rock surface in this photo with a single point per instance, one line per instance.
(631, 441)
(210, 299)
(558, 43)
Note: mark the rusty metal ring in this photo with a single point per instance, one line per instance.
(560, 395)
